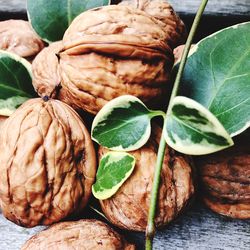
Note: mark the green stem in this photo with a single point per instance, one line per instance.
(154, 113)
(150, 232)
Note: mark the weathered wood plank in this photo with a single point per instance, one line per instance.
(12, 6)
(214, 7)
(198, 228)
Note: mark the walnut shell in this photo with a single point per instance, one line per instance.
(166, 16)
(17, 36)
(82, 234)
(225, 179)
(45, 69)
(128, 208)
(47, 163)
(2, 120)
(112, 51)
(46, 73)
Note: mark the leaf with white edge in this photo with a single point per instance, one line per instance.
(15, 82)
(192, 129)
(123, 124)
(217, 75)
(113, 171)
(50, 19)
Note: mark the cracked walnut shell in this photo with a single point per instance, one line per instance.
(128, 208)
(225, 179)
(82, 234)
(47, 163)
(112, 51)
(17, 36)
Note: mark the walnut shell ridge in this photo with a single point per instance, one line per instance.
(225, 180)
(17, 36)
(45, 69)
(164, 13)
(47, 163)
(82, 234)
(128, 208)
(112, 51)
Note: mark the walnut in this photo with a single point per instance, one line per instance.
(2, 120)
(46, 73)
(47, 163)
(128, 208)
(17, 36)
(45, 69)
(83, 234)
(225, 179)
(112, 51)
(166, 16)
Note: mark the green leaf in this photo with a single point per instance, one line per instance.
(15, 82)
(123, 124)
(217, 75)
(194, 130)
(113, 171)
(50, 19)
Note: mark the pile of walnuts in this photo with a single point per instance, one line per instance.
(47, 159)
(111, 51)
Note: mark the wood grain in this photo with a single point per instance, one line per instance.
(12, 5)
(198, 228)
(186, 7)
(214, 7)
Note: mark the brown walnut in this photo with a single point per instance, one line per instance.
(17, 36)
(47, 163)
(46, 73)
(225, 179)
(45, 69)
(128, 208)
(2, 120)
(112, 51)
(163, 12)
(82, 234)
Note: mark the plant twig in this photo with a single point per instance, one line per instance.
(150, 232)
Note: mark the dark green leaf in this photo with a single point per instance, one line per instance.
(123, 124)
(113, 171)
(15, 82)
(192, 129)
(50, 19)
(217, 75)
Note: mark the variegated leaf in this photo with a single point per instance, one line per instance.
(192, 129)
(113, 171)
(15, 82)
(123, 124)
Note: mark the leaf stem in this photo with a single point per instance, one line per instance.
(154, 113)
(150, 231)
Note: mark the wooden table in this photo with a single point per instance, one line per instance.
(198, 228)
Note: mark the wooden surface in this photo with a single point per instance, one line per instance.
(197, 229)
(12, 5)
(214, 7)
